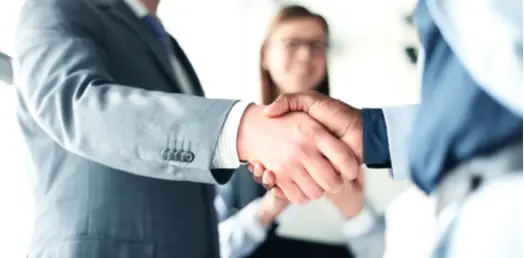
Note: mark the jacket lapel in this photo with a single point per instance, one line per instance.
(122, 12)
(187, 67)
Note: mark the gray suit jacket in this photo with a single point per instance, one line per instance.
(101, 111)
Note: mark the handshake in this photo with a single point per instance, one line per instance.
(302, 145)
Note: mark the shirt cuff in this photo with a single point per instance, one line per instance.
(226, 154)
(248, 218)
(357, 226)
(375, 139)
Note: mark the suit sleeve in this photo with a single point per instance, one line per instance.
(385, 138)
(65, 83)
(375, 139)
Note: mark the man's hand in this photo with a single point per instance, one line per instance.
(340, 119)
(307, 160)
(269, 208)
(349, 201)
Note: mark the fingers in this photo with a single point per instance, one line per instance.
(324, 174)
(269, 180)
(293, 192)
(258, 169)
(276, 191)
(257, 179)
(292, 102)
(340, 119)
(309, 186)
(279, 107)
(339, 155)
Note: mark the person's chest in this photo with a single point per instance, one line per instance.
(135, 57)
(453, 106)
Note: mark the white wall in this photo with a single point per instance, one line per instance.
(16, 202)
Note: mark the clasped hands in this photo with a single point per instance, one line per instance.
(302, 146)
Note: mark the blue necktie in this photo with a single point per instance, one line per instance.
(160, 33)
(163, 38)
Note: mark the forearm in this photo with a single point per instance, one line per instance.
(66, 84)
(241, 233)
(142, 133)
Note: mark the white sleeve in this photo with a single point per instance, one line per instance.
(226, 155)
(365, 234)
(399, 121)
(241, 234)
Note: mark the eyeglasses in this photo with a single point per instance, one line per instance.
(315, 46)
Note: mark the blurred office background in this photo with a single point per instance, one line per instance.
(371, 64)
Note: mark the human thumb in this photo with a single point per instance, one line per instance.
(279, 107)
(289, 102)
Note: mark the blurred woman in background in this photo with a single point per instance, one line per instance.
(293, 58)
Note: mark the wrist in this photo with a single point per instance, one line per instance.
(350, 211)
(265, 217)
(248, 121)
(360, 224)
(226, 154)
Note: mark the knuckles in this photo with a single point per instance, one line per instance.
(308, 132)
(317, 194)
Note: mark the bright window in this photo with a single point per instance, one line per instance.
(16, 218)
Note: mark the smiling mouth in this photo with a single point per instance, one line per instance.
(304, 73)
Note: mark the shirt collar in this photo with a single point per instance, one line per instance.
(137, 7)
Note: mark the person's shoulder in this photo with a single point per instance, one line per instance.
(54, 5)
(63, 8)
(57, 15)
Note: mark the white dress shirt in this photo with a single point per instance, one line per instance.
(226, 155)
